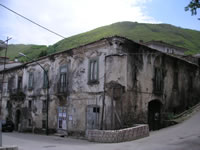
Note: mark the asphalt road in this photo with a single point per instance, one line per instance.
(184, 136)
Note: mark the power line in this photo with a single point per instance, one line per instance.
(31, 21)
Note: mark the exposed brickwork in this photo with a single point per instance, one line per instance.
(115, 136)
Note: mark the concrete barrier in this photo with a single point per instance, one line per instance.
(9, 148)
(115, 136)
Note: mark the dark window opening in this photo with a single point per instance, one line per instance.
(96, 109)
(175, 85)
(30, 104)
(19, 83)
(43, 123)
(190, 83)
(29, 122)
(60, 123)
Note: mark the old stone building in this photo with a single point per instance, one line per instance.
(108, 84)
(166, 48)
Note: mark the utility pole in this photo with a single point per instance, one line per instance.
(3, 45)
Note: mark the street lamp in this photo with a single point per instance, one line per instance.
(47, 102)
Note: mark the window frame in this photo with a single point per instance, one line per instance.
(45, 79)
(63, 79)
(93, 66)
(158, 80)
(31, 80)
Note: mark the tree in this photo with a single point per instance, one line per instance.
(193, 6)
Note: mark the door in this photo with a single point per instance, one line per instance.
(154, 110)
(62, 118)
(93, 117)
(17, 120)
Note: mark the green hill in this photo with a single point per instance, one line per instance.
(136, 31)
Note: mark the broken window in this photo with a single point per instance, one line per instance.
(63, 79)
(93, 71)
(45, 79)
(30, 81)
(19, 83)
(158, 80)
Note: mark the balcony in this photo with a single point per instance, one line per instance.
(62, 89)
(17, 94)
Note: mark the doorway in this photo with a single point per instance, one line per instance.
(17, 120)
(62, 118)
(154, 117)
(93, 117)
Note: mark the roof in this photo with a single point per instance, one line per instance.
(166, 44)
(8, 66)
(106, 38)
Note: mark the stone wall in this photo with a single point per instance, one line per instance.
(9, 148)
(115, 136)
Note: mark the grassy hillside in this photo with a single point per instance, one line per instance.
(31, 50)
(136, 31)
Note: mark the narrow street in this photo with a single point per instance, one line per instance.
(184, 136)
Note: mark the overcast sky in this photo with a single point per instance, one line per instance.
(71, 17)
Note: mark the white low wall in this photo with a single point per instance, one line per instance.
(115, 136)
(9, 148)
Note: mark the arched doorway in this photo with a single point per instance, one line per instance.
(17, 119)
(154, 110)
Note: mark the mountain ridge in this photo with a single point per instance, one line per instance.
(186, 38)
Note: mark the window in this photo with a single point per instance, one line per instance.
(43, 123)
(44, 105)
(30, 104)
(190, 82)
(158, 80)
(29, 122)
(1, 85)
(45, 80)
(96, 109)
(10, 83)
(63, 79)
(93, 71)
(19, 83)
(30, 81)
(175, 85)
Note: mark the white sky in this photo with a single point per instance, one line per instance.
(66, 17)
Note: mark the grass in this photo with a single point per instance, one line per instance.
(136, 31)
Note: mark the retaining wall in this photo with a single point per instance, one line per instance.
(9, 148)
(115, 136)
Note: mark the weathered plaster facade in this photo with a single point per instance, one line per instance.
(166, 48)
(106, 84)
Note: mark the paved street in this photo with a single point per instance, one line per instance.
(184, 136)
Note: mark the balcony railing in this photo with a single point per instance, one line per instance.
(62, 89)
(17, 94)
